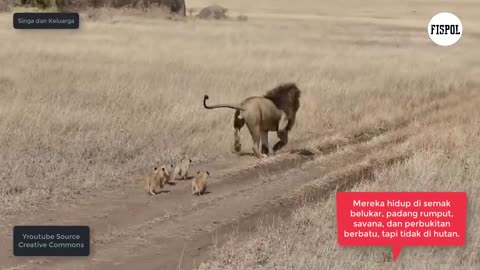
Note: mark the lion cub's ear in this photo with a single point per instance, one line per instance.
(208, 173)
(198, 172)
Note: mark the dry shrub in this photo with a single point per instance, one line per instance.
(215, 12)
(175, 6)
(116, 15)
(242, 18)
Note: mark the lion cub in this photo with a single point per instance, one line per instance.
(199, 183)
(157, 178)
(170, 174)
(181, 169)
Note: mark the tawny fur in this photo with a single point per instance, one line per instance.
(275, 111)
(170, 172)
(157, 179)
(199, 183)
(181, 170)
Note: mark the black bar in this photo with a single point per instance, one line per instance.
(46, 20)
(51, 241)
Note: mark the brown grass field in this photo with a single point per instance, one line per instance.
(83, 113)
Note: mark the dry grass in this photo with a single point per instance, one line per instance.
(6, 5)
(91, 109)
(446, 158)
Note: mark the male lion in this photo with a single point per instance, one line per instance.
(275, 111)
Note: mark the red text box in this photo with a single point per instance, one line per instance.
(400, 219)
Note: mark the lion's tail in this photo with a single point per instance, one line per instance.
(231, 106)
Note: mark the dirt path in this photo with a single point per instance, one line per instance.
(176, 230)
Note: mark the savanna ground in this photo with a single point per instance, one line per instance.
(83, 113)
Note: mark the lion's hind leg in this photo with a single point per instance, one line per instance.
(238, 123)
(256, 136)
(264, 138)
